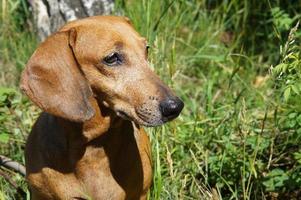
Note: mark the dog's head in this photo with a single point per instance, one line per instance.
(99, 57)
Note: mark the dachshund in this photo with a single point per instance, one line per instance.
(93, 82)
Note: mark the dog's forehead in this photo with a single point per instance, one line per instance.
(96, 37)
(96, 20)
(109, 29)
(113, 38)
(115, 25)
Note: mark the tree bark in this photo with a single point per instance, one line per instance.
(50, 15)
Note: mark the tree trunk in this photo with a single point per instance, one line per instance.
(50, 15)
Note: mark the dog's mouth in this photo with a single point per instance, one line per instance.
(123, 115)
(141, 118)
(152, 114)
(169, 118)
(149, 119)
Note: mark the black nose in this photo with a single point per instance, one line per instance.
(171, 108)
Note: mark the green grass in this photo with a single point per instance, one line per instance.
(238, 136)
(16, 39)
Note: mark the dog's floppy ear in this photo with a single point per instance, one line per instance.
(53, 80)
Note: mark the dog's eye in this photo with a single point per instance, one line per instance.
(147, 48)
(113, 59)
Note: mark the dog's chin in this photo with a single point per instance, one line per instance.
(156, 122)
(152, 124)
(141, 120)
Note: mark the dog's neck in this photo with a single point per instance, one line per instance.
(102, 132)
(98, 128)
(103, 120)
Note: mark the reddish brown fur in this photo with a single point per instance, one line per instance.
(79, 148)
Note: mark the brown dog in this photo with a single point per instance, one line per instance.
(93, 81)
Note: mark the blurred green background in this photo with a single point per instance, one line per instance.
(237, 66)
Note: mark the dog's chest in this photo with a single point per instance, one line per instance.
(118, 169)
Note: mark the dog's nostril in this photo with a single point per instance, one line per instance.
(171, 108)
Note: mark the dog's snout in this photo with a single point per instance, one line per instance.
(171, 108)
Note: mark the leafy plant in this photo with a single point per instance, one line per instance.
(288, 71)
(281, 20)
(275, 179)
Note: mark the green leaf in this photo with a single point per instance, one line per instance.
(295, 89)
(292, 115)
(275, 179)
(4, 138)
(297, 157)
(287, 93)
(6, 91)
(279, 68)
(299, 120)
